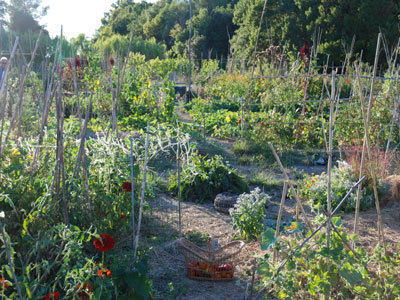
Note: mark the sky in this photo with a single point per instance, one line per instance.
(76, 16)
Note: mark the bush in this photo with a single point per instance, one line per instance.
(202, 179)
(314, 189)
(248, 214)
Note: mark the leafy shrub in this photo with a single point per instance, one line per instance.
(202, 179)
(248, 214)
(314, 270)
(314, 189)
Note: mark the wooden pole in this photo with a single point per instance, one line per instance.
(330, 146)
(132, 196)
(74, 75)
(367, 118)
(114, 105)
(143, 190)
(178, 162)
(48, 97)
(297, 205)
(308, 223)
(86, 183)
(253, 276)
(281, 208)
(83, 139)
(3, 90)
(22, 86)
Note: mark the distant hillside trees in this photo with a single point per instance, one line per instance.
(295, 21)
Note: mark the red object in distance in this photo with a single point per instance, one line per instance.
(127, 186)
(105, 243)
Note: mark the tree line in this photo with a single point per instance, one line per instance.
(223, 28)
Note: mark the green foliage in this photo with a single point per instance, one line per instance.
(147, 101)
(248, 214)
(202, 179)
(134, 284)
(314, 189)
(197, 237)
(296, 21)
(313, 270)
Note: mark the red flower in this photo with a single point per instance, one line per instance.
(3, 284)
(127, 186)
(85, 291)
(102, 272)
(86, 62)
(105, 243)
(77, 62)
(305, 52)
(52, 296)
(378, 86)
(262, 123)
(112, 61)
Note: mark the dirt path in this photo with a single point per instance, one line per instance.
(168, 269)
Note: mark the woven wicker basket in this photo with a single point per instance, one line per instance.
(218, 265)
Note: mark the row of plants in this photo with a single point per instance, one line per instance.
(92, 256)
(291, 111)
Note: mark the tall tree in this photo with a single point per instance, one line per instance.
(24, 15)
(295, 21)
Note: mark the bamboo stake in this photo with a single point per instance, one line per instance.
(49, 94)
(3, 111)
(142, 192)
(367, 119)
(83, 139)
(10, 263)
(22, 89)
(178, 162)
(253, 275)
(281, 208)
(132, 197)
(114, 107)
(291, 186)
(329, 189)
(297, 205)
(59, 169)
(3, 89)
(77, 95)
(362, 161)
(341, 237)
(86, 183)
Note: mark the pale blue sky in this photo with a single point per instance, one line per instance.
(76, 16)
